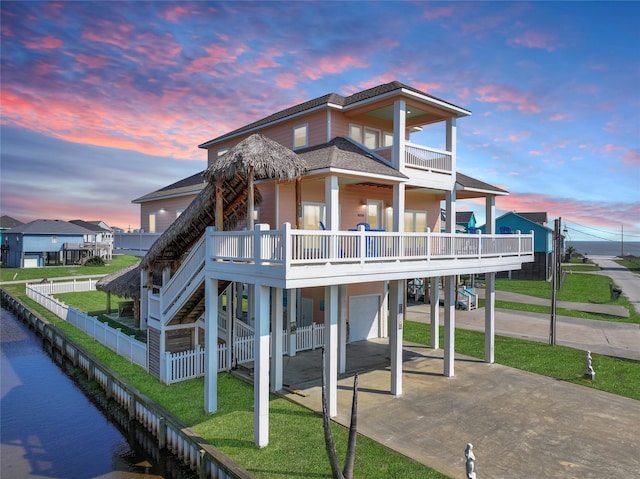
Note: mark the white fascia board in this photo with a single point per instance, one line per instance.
(352, 173)
(427, 99)
(480, 190)
(168, 196)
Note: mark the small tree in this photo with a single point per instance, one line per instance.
(347, 472)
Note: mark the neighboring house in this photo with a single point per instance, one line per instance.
(513, 221)
(339, 241)
(465, 221)
(45, 243)
(160, 208)
(100, 240)
(6, 223)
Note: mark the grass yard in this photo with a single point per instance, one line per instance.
(630, 262)
(581, 288)
(118, 262)
(614, 375)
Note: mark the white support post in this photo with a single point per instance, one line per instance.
(331, 346)
(435, 312)
(332, 201)
(490, 318)
(398, 207)
(451, 146)
(449, 324)
(211, 345)
(276, 340)
(396, 318)
(342, 328)
(490, 289)
(144, 300)
(260, 312)
(450, 208)
(399, 135)
(292, 300)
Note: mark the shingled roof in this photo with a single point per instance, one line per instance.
(336, 100)
(345, 154)
(469, 187)
(190, 185)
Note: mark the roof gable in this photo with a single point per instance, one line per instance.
(7, 222)
(190, 185)
(49, 227)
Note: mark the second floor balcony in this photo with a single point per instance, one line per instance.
(290, 258)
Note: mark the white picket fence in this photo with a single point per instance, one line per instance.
(190, 364)
(126, 346)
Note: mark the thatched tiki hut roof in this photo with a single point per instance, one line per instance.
(256, 157)
(189, 227)
(124, 282)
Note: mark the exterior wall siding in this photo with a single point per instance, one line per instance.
(166, 217)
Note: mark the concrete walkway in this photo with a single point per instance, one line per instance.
(522, 425)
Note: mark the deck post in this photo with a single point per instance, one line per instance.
(449, 324)
(434, 292)
(331, 346)
(211, 345)
(260, 312)
(292, 310)
(276, 340)
(396, 317)
(342, 328)
(489, 318)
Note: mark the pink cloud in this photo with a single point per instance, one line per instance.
(531, 39)
(438, 12)
(45, 43)
(632, 157)
(117, 34)
(92, 61)
(557, 117)
(331, 65)
(506, 96)
(175, 13)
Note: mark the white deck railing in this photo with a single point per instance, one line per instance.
(290, 247)
(429, 159)
(183, 278)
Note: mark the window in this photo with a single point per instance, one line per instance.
(415, 221)
(374, 214)
(371, 138)
(222, 151)
(152, 223)
(387, 139)
(312, 215)
(355, 133)
(300, 136)
(54, 240)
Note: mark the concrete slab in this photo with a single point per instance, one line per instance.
(522, 425)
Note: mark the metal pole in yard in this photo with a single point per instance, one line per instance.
(554, 280)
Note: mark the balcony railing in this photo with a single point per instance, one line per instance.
(428, 159)
(290, 247)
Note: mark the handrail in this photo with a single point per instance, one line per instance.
(183, 277)
(290, 247)
(424, 158)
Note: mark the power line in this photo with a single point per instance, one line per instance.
(593, 236)
(626, 235)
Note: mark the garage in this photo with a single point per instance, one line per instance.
(364, 315)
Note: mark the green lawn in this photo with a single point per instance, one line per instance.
(631, 262)
(581, 288)
(118, 262)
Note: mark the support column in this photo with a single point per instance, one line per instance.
(332, 202)
(211, 345)
(449, 324)
(331, 346)
(292, 301)
(490, 289)
(276, 340)
(490, 318)
(399, 134)
(434, 291)
(398, 207)
(260, 313)
(342, 328)
(144, 300)
(396, 319)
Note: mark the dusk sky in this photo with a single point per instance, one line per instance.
(103, 102)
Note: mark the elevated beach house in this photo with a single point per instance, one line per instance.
(319, 214)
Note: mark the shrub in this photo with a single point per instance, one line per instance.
(95, 261)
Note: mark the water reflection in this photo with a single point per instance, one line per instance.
(51, 429)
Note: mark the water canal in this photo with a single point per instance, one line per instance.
(51, 428)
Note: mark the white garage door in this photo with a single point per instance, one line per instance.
(364, 314)
(30, 262)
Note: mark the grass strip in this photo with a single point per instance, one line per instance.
(615, 375)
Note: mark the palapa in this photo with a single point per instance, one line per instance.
(124, 282)
(189, 227)
(256, 157)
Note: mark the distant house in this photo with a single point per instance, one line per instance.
(100, 239)
(542, 246)
(6, 223)
(466, 220)
(44, 243)
(160, 208)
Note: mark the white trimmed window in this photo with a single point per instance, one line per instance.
(415, 221)
(387, 139)
(300, 136)
(371, 138)
(355, 133)
(222, 151)
(152, 223)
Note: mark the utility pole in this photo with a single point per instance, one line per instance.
(621, 241)
(554, 279)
